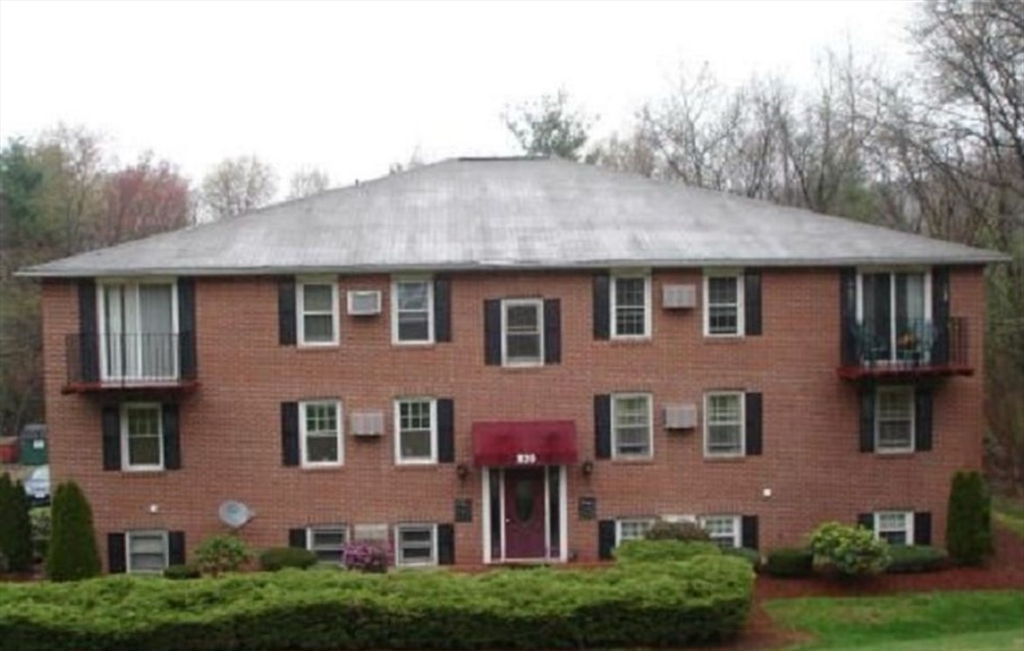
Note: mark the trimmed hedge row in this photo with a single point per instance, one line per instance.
(701, 601)
(905, 559)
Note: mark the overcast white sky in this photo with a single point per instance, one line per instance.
(352, 87)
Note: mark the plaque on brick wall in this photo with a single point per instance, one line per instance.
(463, 509)
(587, 508)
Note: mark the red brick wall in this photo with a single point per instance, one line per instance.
(230, 426)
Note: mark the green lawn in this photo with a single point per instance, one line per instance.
(937, 621)
(1009, 512)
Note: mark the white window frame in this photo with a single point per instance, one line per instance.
(892, 273)
(707, 425)
(311, 532)
(615, 397)
(128, 535)
(403, 528)
(304, 433)
(300, 311)
(908, 524)
(737, 528)
(536, 303)
(908, 391)
(737, 276)
(396, 313)
(103, 328)
(644, 524)
(124, 435)
(399, 459)
(614, 307)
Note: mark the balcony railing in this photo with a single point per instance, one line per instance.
(917, 347)
(115, 360)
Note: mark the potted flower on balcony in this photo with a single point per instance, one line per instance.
(907, 347)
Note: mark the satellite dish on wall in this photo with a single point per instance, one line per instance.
(234, 514)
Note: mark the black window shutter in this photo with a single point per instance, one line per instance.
(172, 438)
(187, 327)
(940, 315)
(445, 544)
(848, 316)
(753, 422)
(603, 426)
(297, 538)
(111, 422)
(866, 520)
(290, 433)
(867, 419)
(922, 528)
(286, 311)
(752, 302)
(749, 533)
(116, 560)
(605, 539)
(602, 306)
(492, 332)
(442, 309)
(89, 351)
(445, 430)
(923, 419)
(552, 331)
(176, 547)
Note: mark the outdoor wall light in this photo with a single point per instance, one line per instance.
(587, 468)
(462, 470)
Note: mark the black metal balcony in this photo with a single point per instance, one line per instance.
(917, 348)
(100, 362)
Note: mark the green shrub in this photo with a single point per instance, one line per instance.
(700, 602)
(662, 551)
(969, 519)
(219, 554)
(848, 551)
(72, 553)
(15, 525)
(684, 531)
(277, 558)
(916, 558)
(789, 562)
(751, 556)
(179, 572)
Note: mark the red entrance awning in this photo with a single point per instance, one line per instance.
(524, 443)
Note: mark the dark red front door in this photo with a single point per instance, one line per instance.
(525, 512)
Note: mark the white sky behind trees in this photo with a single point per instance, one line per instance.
(351, 88)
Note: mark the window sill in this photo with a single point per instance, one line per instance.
(316, 347)
(636, 461)
(412, 465)
(414, 345)
(631, 340)
(322, 467)
(725, 458)
(144, 472)
(723, 339)
(894, 454)
(520, 368)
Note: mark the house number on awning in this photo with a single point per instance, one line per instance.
(526, 458)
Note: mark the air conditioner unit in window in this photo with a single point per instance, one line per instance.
(680, 416)
(364, 302)
(675, 297)
(367, 423)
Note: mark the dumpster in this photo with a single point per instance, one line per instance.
(32, 446)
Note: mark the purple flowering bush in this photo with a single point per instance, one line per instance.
(365, 556)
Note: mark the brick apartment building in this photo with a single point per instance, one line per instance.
(497, 360)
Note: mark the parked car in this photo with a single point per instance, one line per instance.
(37, 486)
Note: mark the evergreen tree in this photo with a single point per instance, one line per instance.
(969, 519)
(72, 553)
(15, 526)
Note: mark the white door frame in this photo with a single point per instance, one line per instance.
(563, 551)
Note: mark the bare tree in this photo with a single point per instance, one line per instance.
(238, 185)
(308, 181)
